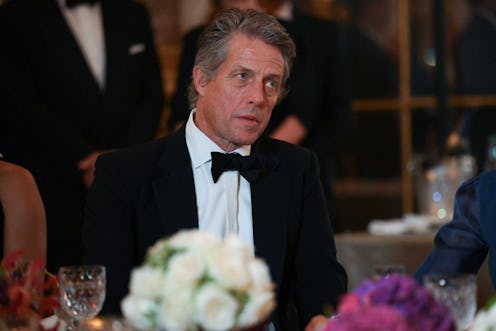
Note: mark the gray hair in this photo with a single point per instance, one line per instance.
(214, 42)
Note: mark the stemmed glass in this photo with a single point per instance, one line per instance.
(458, 293)
(385, 270)
(82, 292)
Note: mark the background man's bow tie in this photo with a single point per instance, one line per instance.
(74, 3)
(249, 167)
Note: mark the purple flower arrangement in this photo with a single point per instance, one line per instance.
(393, 303)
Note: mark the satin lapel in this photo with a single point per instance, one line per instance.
(174, 187)
(60, 40)
(116, 35)
(270, 200)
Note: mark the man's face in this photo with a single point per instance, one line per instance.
(235, 106)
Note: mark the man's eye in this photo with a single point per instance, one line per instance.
(272, 84)
(242, 75)
(272, 87)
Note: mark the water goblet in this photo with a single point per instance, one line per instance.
(82, 292)
(385, 270)
(458, 292)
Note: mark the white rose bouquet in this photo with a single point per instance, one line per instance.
(195, 280)
(485, 320)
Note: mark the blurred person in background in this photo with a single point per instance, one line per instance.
(316, 112)
(77, 79)
(22, 214)
(373, 53)
(373, 149)
(462, 245)
(476, 68)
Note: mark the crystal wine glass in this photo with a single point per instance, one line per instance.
(385, 270)
(82, 292)
(456, 292)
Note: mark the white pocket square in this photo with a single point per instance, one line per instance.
(137, 48)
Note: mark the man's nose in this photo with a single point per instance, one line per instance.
(256, 93)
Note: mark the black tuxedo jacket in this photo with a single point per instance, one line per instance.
(49, 84)
(146, 192)
(54, 112)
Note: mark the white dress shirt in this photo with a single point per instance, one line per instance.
(226, 202)
(86, 24)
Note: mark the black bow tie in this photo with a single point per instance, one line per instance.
(74, 3)
(250, 167)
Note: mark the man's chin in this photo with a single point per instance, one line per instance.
(248, 141)
(248, 138)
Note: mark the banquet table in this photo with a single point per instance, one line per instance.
(360, 252)
(102, 323)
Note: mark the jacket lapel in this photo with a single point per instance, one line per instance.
(117, 42)
(59, 38)
(175, 198)
(111, 29)
(270, 198)
(174, 188)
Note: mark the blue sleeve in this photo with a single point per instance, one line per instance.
(459, 245)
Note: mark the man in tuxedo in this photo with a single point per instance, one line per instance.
(462, 245)
(76, 79)
(277, 205)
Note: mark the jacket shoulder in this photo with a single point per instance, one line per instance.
(194, 34)
(135, 159)
(289, 155)
(128, 8)
(19, 10)
(315, 24)
(128, 4)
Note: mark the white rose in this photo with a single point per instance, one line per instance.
(215, 309)
(158, 247)
(260, 275)
(234, 245)
(485, 320)
(185, 268)
(492, 317)
(227, 269)
(145, 281)
(193, 239)
(139, 311)
(481, 322)
(257, 309)
(175, 311)
(492, 314)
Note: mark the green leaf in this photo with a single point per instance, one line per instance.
(490, 303)
(161, 259)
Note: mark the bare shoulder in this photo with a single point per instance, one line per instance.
(13, 176)
(10, 170)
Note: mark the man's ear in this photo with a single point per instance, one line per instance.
(200, 79)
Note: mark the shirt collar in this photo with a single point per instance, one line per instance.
(200, 146)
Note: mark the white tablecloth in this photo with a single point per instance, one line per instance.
(360, 252)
